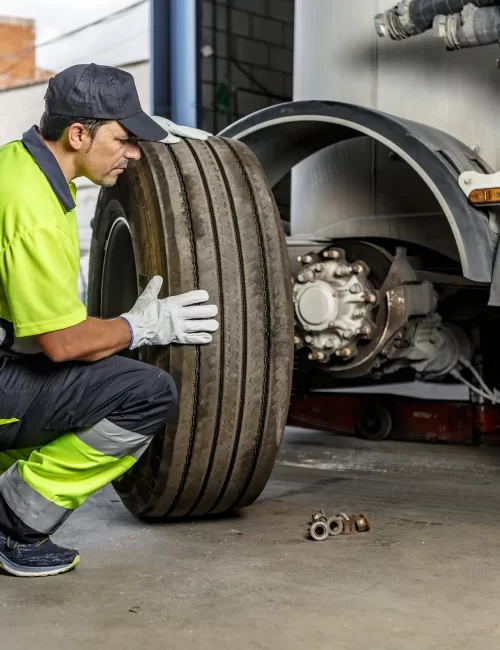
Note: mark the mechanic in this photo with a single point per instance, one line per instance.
(74, 415)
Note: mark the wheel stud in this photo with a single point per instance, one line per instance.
(331, 254)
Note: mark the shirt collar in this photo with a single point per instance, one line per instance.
(49, 166)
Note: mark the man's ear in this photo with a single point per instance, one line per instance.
(75, 136)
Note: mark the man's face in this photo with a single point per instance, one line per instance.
(103, 159)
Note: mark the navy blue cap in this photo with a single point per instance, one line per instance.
(101, 92)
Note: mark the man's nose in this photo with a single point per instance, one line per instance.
(133, 152)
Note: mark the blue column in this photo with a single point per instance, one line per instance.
(183, 61)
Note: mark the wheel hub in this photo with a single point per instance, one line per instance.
(333, 302)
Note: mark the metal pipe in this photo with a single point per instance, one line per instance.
(412, 17)
(184, 68)
(471, 28)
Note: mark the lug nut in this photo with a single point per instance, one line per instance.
(318, 268)
(340, 272)
(319, 531)
(307, 276)
(347, 334)
(309, 339)
(371, 298)
(316, 356)
(331, 254)
(307, 259)
(356, 288)
(335, 526)
(297, 340)
(362, 524)
(357, 268)
(319, 516)
(345, 352)
(299, 258)
(366, 330)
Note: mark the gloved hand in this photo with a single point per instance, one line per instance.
(177, 319)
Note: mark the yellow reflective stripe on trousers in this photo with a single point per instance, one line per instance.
(9, 421)
(67, 471)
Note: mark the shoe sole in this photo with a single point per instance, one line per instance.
(35, 572)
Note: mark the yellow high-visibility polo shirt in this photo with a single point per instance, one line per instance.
(39, 246)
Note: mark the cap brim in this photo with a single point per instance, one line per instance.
(144, 127)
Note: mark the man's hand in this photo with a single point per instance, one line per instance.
(177, 319)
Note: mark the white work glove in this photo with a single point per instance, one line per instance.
(176, 131)
(177, 319)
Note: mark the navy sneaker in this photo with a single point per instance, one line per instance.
(43, 558)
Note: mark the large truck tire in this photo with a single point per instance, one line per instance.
(202, 215)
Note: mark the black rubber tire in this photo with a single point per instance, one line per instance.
(373, 422)
(202, 215)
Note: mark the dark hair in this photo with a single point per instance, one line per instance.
(52, 127)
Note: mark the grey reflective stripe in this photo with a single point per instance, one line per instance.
(137, 453)
(30, 506)
(111, 440)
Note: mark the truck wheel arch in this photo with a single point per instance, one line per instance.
(284, 135)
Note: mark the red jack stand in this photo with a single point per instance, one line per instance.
(377, 417)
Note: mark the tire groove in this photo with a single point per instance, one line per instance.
(267, 328)
(196, 382)
(221, 319)
(243, 374)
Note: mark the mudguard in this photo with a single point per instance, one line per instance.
(282, 136)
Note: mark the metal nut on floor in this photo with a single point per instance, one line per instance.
(319, 531)
(335, 526)
(362, 524)
(319, 516)
(349, 527)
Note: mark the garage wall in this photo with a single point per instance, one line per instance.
(247, 63)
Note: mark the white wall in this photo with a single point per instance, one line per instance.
(20, 108)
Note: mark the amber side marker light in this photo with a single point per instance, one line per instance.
(489, 196)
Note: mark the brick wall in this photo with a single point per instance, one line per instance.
(16, 34)
(248, 62)
(17, 54)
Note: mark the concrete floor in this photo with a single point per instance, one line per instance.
(427, 575)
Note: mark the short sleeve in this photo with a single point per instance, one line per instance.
(39, 272)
